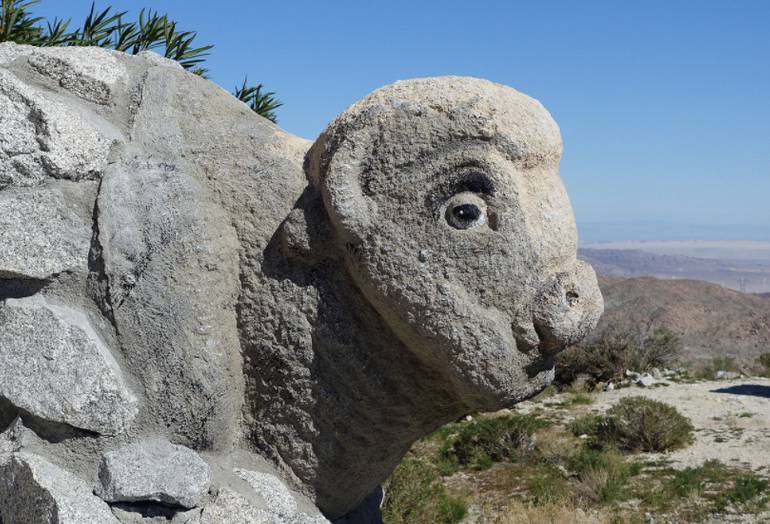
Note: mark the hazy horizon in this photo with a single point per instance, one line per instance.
(650, 231)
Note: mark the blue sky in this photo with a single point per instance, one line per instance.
(664, 105)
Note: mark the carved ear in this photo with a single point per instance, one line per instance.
(305, 234)
(335, 165)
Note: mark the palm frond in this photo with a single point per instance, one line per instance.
(107, 28)
(264, 104)
(17, 24)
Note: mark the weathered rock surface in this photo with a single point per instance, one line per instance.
(42, 137)
(34, 491)
(275, 507)
(278, 503)
(127, 514)
(89, 72)
(167, 249)
(49, 228)
(153, 470)
(55, 366)
(16, 437)
(176, 267)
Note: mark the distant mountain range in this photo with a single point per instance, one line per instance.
(711, 321)
(748, 272)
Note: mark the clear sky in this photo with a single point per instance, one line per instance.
(664, 105)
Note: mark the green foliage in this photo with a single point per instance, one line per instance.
(686, 482)
(480, 443)
(746, 488)
(548, 487)
(586, 425)
(109, 29)
(17, 23)
(614, 352)
(414, 494)
(642, 424)
(261, 103)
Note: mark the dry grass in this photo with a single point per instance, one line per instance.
(517, 512)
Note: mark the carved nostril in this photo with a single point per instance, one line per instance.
(572, 298)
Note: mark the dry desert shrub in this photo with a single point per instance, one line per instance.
(643, 424)
(615, 352)
(555, 446)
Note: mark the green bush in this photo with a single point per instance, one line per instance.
(480, 443)
(414, 494)
(642, 424)
(615, 352)
(548, 488)
(586, 425)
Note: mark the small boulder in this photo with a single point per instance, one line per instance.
(34, 490)
(645, 381)
(54, 365)
(153, 470)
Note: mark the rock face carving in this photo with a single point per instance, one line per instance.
(296, 313)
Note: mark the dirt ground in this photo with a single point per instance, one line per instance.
(731, 419)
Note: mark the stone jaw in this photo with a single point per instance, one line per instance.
(232, 302)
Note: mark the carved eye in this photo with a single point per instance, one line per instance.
(465, 211)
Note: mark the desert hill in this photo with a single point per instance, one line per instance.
(712, 321)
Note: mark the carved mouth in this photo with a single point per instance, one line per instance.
(535, 336)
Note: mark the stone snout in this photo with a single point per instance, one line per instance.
(565, 310)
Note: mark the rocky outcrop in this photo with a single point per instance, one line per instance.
(209, 320)
(153, 470)
(42, 137)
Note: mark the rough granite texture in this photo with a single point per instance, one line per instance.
(55, 366)
(49, 228)
(153, 470)
(298, 314)
(34, 491)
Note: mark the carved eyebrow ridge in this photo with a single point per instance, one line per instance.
(476, 181)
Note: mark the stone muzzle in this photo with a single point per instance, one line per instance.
(568, 308)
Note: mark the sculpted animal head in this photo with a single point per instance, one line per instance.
(165, 239)
(445, 198)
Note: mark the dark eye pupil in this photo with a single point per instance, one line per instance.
(466, 213)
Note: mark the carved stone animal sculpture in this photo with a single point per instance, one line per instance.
(177, 272)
